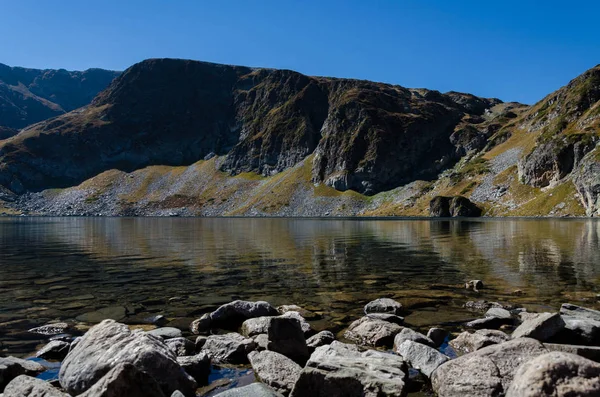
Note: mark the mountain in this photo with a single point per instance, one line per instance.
(193, 138)
(31, 95)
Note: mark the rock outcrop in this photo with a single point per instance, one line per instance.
(458, 206)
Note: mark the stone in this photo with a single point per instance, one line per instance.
(456, 206)
(276, 370)
(125, 380)
(589, 352)
(579, 330)
(197, 366)
(437, 335)
(231, 348)
(52, 329)
(166, 332)
(498, 312)
(475, 285)
(342, 370)
(568, 309)
(8, 371)
(320, 339)
(409, 334)
(234, 313)
(260, 325)
(29, 367)
(262, 341)
(390, 318)
(486, 372)
(489, 323)
(383, 305)
(181, 346)
(307, 314)
(27, 386)
(371, 332)
(201, 325)
(556, 374)
(541, 327)
(305, 325)
(253, 390)
(55, 350)
(422, 357)
(468, 342)
(286, 337)
(177, 393)
(109, 344)
(158, 320)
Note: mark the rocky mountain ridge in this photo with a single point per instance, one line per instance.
(194, 138)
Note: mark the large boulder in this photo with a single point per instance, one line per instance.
(456, 206)
(569, 309)
(541, 327)
(232, 315)
(253, 390)
(198, 366)
(409, 334)
(556, 374)
(424, 358)
(286, 337)
(579, 330)
(342, 370)
(27, 386)
(231, 348)
(125, 380)
(275, 370)
(383, 305)
(109, 344)
(372, 332)
(468, 342)
(485, 372)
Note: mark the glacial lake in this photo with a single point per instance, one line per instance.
(133, 268)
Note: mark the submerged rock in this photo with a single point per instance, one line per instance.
(125, 380)
(27, 386)
(275, 370)
(424, 358)
(556, 374)
(166, 332)
(372, 332)
(342, 370)
(383, 305)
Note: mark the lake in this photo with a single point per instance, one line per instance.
(133, 268)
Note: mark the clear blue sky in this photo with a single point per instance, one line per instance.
(514, 50)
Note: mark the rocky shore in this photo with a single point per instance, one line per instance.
(508, 351)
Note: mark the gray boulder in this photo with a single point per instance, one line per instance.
(556, 374)
(181, 346)
(383, 305)
(489, 323)
(125, 380)
(589, 352)
(424, 358)
(485, 372)
(260, 325)
(201, 325)
(231, 315)
(166, 333)
(368, 331)
(286, 337)
(342, 370)
(568, 309)
(468, 342)
(27, 386)
(275, 370)
(109, 344)
(231, 348)
(437, 335)
(54, 350)
(197, 366)
(541, 327)
(409, 334)
(579, 330)
(262, 342)
(28, 367)
(498, 312)
(320, 339)
(253, 390)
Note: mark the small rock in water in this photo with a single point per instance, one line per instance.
(489, 323)
(52, 329)
(468, 342)
(475, 285)
(498, 312)
(55, 350)
(383, 305)
(231, 348)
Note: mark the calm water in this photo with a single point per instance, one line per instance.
(61, 268)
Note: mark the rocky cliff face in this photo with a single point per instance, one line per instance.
(222, 139)
(31, 95)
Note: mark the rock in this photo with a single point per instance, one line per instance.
(52, 329)
(498, 312)
(55, 350)
(421, 357)
(275, 370)
(437, 335)
(253, 390)
(231, 348)
(177, 393)
(482, 305)
(556, 374)
(589, 352)
(489, 323)
(371, 332)
(306, 328)
(234, 313)
(307, 314)
(457, 206)
(409, 334)
(201, 325)
(262, 341)
(475, 285)
(342, 370)
(579, 330)
(181, 346)
(260, 325)
(468, 342)
(383, 305)
(286, 337)
(568, 309)
(29, 367)
(390, 318)
(125, 380)
(27, 386)
(8, 371)
(158, 320)
(108, 344)
(166, 332)
(541, 327)
(197, 366)
(320, 339)
(488, 371)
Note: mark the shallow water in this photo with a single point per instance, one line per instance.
(62, 268)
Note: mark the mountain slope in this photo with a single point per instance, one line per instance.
(31, 95)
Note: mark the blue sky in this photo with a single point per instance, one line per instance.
(514, 50)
